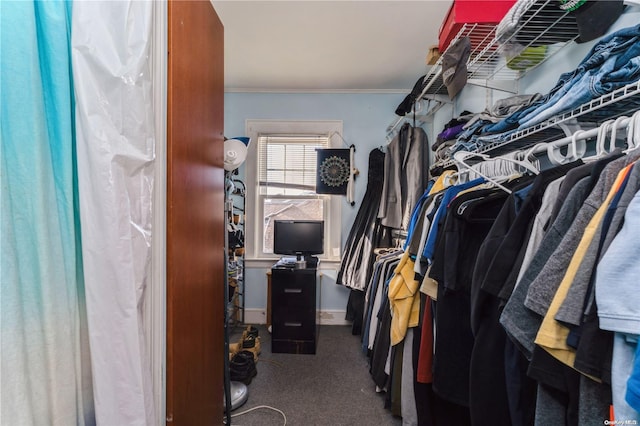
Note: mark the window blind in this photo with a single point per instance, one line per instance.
(287, 164)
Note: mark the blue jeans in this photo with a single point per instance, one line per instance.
(611, 63)
(476, 142)
(591, 85)
(465, 140)
(511, 122)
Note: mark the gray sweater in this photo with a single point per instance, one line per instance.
(520, 323)
(572, 309)
(546, 269)
(545, 285)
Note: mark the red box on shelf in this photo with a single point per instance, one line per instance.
(471, 12)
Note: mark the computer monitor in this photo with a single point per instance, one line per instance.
(301, 238)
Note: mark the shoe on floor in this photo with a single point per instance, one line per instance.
(252, 344)
(234, 348)
(250, 331)
(243, 367)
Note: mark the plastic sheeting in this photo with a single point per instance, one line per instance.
(111, 49)
(45, 364)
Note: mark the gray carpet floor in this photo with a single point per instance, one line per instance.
(332, 387)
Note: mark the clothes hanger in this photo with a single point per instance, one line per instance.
(539, 147)
(636, 129)
(508, 165)
(524, 162)
(575, 150)
(611, 128)
(601, 141)
(461, 156)
(452, 179)
(455, 178)
(614, 131)
(633, 133)
(389, 138)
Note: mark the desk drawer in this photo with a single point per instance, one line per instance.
(293, 323)
(293, 346)
(292, 294)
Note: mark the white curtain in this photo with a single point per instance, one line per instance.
(111, 48)
(76, 182)
(45, 374)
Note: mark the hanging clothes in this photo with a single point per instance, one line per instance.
(465, 226)
(366, 234)
(497, 266)
(514, 319)
(376, 292)
(485, 243)
(405, 306)
(406, 174)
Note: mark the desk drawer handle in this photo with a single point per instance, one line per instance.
(293, 324)
(293, 290)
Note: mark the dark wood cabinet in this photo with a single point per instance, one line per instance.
(293, 310)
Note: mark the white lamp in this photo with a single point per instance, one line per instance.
(235, 152)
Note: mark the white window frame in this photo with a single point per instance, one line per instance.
(254, 214)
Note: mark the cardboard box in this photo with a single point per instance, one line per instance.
(471, 12)
(433, 55)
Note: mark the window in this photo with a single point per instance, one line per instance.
(282, 160)
(287, 181)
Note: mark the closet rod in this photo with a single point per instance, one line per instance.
(420, 117)
(586, 134)
(395, 124)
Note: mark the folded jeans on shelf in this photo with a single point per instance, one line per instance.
(619, 51)
(612, 63)
(470, 146)
(507, 106)
(503, 108)
(591, 85)
(473, 128)
(442, 153)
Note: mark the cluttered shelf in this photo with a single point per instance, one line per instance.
(500, 54)
(236, 190)
(502, 50)
(623, 101)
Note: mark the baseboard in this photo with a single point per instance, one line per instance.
(325, 317)
(255, 316)
(332, 317)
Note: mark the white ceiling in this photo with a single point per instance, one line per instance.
(328, 46)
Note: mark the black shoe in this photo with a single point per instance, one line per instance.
(243, 367)
(250, 331)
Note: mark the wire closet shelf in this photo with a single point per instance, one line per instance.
(541, 24)
(623, 101)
